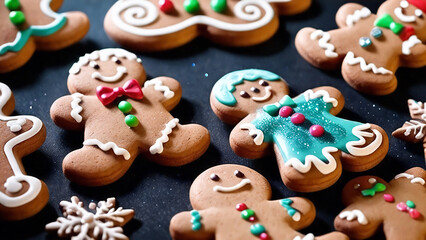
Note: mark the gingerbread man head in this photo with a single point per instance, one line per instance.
(232, 202)
(122, 119)
(239, 93)
(398, 206)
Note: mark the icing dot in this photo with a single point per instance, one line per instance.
(263, 83)
(285, 111)
(214, 177)
(12, 5)
(410, 204)
(316, 130)
(191, 6)
(356, 186)
(131, 120)
(388, 198)
(252, 219)
(255, 90)
(218, 5)
(17, 17)
(257, 229)
(244, 94)
(241, 206)
(125, 106)
(166, 6)
(264, 236)
(372, 180)
(376, 32)
(238, 173)
(297, 118)
(364, 41)
(418, 12)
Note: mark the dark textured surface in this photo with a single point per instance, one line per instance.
(157, 193)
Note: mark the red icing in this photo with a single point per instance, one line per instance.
(165, 5)
(316, 130)
(406, 33)
(264, 236)
(388, 198)
(286, 111)
(401, 207)
(130, 89)
(297, 118)
(414, 213)
(241, 207)
(252, 219)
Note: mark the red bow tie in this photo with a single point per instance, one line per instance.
(130, 89)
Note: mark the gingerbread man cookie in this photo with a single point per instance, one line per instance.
(232, 202)
(21, 196)
(152, 25)
(27, 25)
(415, 129)
(369, 48)
(121, 119)
(398, 206)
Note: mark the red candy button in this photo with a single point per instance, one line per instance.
(165, 5)
(297, 118)
(241, 207)
(286, 111)
(264, 236)
(388, 198)
(316, 130)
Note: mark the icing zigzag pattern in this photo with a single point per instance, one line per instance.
(352, 60)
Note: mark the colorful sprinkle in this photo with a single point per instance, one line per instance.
(410, 204)
(376, 32)
(388, 198)
(241, 206)
(17, 17)
(12, 5)
(218, 5)
(285, 111)
(264, 236)
(364, 41)
(191, 6)
(257, 229)
(316, 130)
(131, 120)
(297, 118)
(125, 106)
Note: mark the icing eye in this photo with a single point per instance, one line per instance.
(94, 65)
(372, 180)
(214, 177)
(404, 4)
(116, 60)
(238, 174)
(263, 83)
(356, 186)
(418, 12)
(244, 94)
(255, 90)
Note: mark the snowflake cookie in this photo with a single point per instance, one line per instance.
(121, 119)
(28, 25)
(415, 129)
(21, 196)
(232, 202)
(79, 223)
(370, 48)
(397, 206)
(152, 25)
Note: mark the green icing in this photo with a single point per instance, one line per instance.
(295, 141)
(225, 86)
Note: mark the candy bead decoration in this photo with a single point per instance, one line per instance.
(196, 220)
(364, 42)
(191, 6)
(376, 32)
(17, 17)
(218, 5)
(409, 207)
(316, 130)
(257, 229)
(125, 106)
(389, 198)
(297, 118)
(12, 5)
(285, 111)
(248, 214)
(165, 5)
(131, 120)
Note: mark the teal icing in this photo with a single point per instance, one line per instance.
(225, 86)
(196, 220)
(286, 203)
(38, 30)
(295, 141)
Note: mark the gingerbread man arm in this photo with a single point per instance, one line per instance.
(68, 112)
(164, 90)
(187, 226)
(298, 212)
(413, 56)
(350, 13)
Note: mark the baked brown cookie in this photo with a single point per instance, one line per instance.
(121, 119)
(397, 206)
(232, 202)
(369, 48)
(415, 129)
(27, 25)
(21, 196)
(104, 222)
(152, 25)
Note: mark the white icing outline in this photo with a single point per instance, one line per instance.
(108, 146)
(267, 95)
(253, 131)
(76, 108)
(411, 177)
(310, 94)
(351, 19)
(13, 182)
(310, 236)
(147, 12)
(354, 214)
(361, 133)
(157, 148)
(408, 44)
(323, 42)
(236, 187)
(324, 168)
(296, 217)
(102, 55)
(158, 86)
(16, 125)
(413, 126)
(121, 70)
(417, 107)
(351, 60)
(404, 18)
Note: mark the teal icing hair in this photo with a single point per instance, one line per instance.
(225, 86)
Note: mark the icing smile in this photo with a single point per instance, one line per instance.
(120, 73)
(267, 95)
(406, 18)
(233, 188)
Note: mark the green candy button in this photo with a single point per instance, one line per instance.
(257, 229)
(191, 6)
(131, 120)
(17, 17)
(246, 214)
(12, 5)
(410, 204)
(125, 106)
(218, 5)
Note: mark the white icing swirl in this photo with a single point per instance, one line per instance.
(158, 86)
(361, 133)
(76, 108)
(411, 177)
(323, 42)
(108, 146)
(351, 19)
(157, 148)
(253, 132)
(354, 214)
(324, 168)
(310, 94)
(351, 60)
